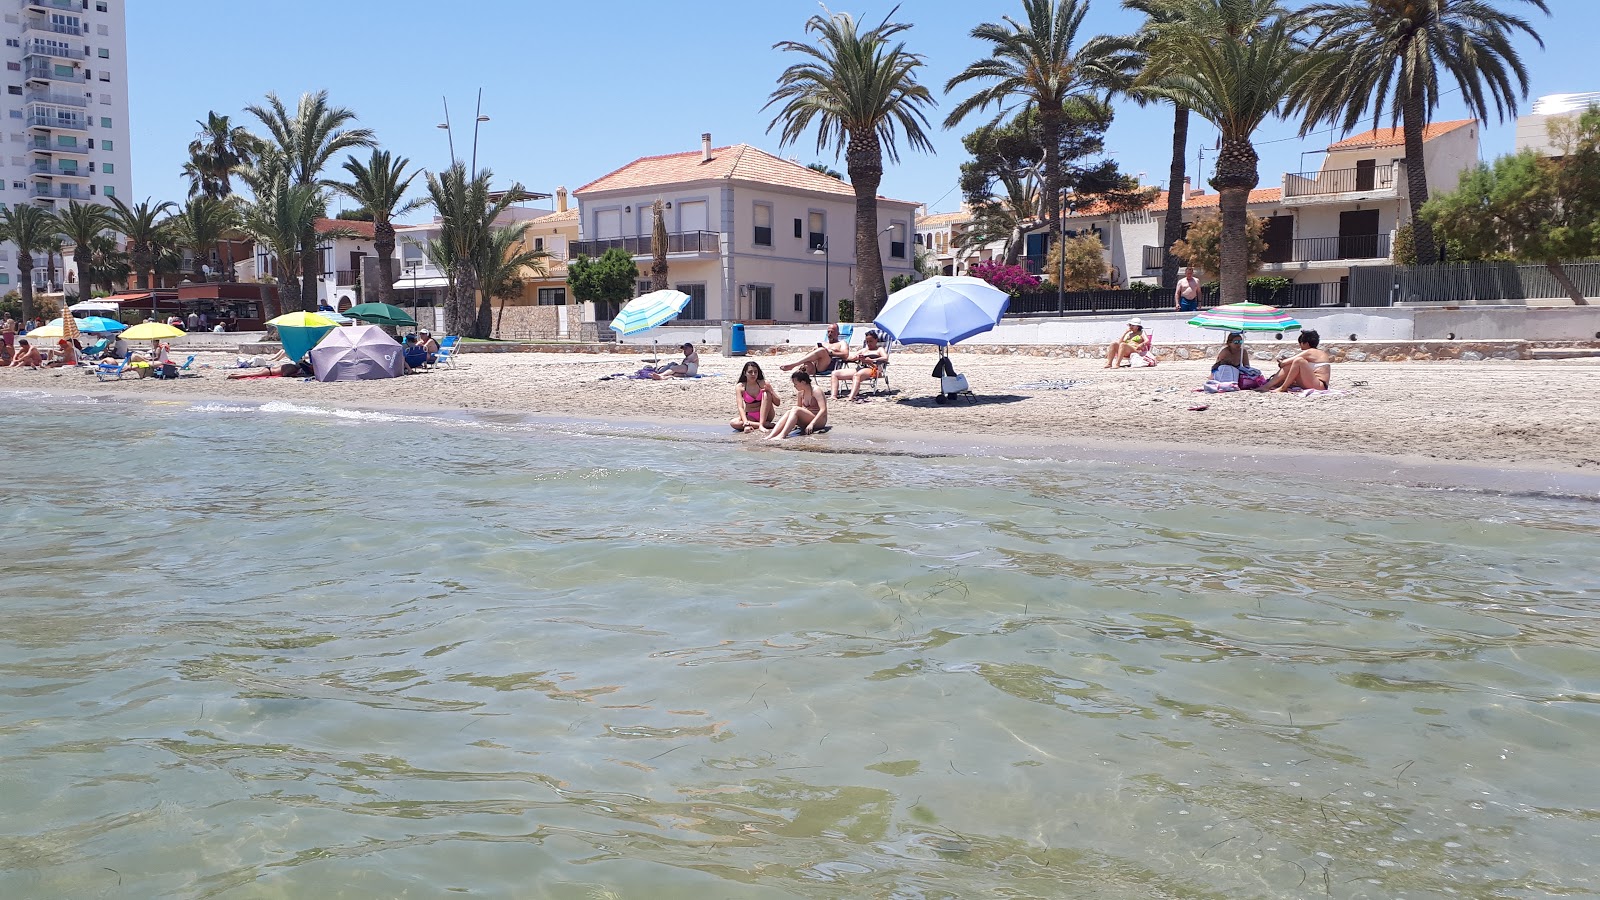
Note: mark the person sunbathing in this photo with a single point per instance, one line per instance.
(1133, 342)
(1310, 370)
(825, 358)
(686, 369)
(27, 356)
(871, 359)
(757, 400)
(65, 354)
(810, 411)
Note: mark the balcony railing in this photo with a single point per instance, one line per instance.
(51, 27)
(58, 99)
(72, 122)
(677, 242)
(1338, 181)
(42, 146)
(345, 278)
(1154, 258)
(69, 5)
(45, 47)
(1357, 246)
(61, 193)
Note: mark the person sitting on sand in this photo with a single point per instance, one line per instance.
(65, 354)
(825, 358)
(412, 354)
(871, 358)
(27, 356)
(1133, 341)
(757, 400)
(810, 411)
(429, 345)
(686, 369)
(1311, 369)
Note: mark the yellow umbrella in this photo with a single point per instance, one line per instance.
(150, 331)
(302, 320)
(45, 331)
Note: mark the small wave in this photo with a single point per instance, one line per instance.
(358, 415)
(222, 408)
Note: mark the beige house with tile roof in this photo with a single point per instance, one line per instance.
(940, 235)
(752, 237)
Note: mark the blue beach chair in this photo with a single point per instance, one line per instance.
(108, 370)
(447, 352)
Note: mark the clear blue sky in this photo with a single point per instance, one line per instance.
(575, 90)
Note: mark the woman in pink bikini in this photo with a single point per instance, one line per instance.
(757, 400)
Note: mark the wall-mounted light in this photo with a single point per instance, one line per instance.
(741, 292)
(627, 209)
(669, 204)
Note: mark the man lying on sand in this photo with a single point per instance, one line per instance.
(825, 358)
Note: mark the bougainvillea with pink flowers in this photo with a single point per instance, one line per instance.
(1011, 279)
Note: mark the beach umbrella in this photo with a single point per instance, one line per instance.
(1242, 317)
(649, 311)
(357, 353)
(100, 325)
(69, 327)
(942, 310)
(52, 330)
(300, 331)
(381, 314)
(152, 331)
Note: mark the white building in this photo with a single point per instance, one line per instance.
(753, 237)
(1533, 129)
(67, 109)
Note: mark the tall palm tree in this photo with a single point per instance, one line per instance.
(142, 224)
(507, 259)
(379, 186)
(467, 214)
(860, 89)
(216, 151)
(279, 218)
(107, 265)
(1035, 62)
(80, 224)
(1387, 55)
(308, 139)
(658, 248)
(1233, 62)
(30, 228)
(201, 224)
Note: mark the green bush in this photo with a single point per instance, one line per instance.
(1144, 287)
(847, 309)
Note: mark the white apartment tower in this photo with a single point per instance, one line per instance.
(65, 132)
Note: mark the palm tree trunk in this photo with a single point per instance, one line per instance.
(1236, 177)
(383, 244)
(460, 316)
(1562, 278)
(25, 285)
(288, 289)
(80, 259)
(1415, 119)
(310, 271)
(864, 160)
(142, 262)
(483, 322)
(1014, 246)
(1173, 227)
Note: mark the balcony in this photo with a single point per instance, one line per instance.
(47, 72)
(77, 100)
(1329, 183)
(48, 192)
(1154, 258)
(43, 169)
(50, 47)
(39, 145)
(45, 26)
(698, 243)
(45, 7)
(345, 278)
(68, 123)
(1357, 246)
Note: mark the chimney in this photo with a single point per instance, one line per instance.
(561, 199)
(705, 147)
(1191, 192)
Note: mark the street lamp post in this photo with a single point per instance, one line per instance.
(479, 119)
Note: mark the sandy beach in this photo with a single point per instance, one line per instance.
(1491, 413)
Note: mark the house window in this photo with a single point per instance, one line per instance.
(110, 169)
(761, 298)
(818, 223)
(696, 310)
(799, 302)
(799, 228)
(763, 219)
(538, 244)
(641, 287)
(553, 296)
(897, 240)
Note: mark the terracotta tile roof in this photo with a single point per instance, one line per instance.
(740, 162)
(365, 229)
(1212, 201)
(570, 215)
(949, 218)
(1395, 137)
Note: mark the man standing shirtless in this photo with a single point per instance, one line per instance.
(1186, 298)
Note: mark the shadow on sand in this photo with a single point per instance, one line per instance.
(931, 401)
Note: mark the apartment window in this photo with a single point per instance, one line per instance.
(696, 310)
(91, 166)
(763, 220)
(817, 225)
(111, 191)
(64, 71)
(641, 287)
(101, 7)
(15, 113)
(104, 53)
(104, 145)
(14, 89)
(105, 76)
(13, 67)
(5, 278)
(91, 190)
(19, 185)
(111, 169)
(761, 297)
(13, 42)
(105, 99)
(102, 30)
(897, 240)
(553, 296)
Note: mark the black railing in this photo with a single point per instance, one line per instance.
(1355, 246)
(1154, 258)
(1048, 303)
(1338, 181)
(677, 242)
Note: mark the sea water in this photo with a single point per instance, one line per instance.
(297, 652)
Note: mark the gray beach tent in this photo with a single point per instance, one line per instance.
(357, 353)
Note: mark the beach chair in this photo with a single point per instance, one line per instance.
(447, 352)
(1146, 358)
(95, 350)
(108, 370)
(177, 371)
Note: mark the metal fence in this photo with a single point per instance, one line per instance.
(1467, 282)
(1048, 303)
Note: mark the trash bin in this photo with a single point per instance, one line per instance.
(736, 346)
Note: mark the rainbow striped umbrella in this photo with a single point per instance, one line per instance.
(1245, 317)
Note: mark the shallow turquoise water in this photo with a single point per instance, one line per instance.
(282, 653)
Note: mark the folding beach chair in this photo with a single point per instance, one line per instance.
(108, 370)
(447, 352)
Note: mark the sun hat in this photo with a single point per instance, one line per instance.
(1136, 321)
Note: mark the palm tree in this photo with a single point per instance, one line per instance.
(80, 224)
(860, 89)
(1232, 62)
(279, 218)
(201, 224)
(106, 263)
(1004, 218)
(1034, 61)
(658, 249)
(379, 186)
(30, 228)
(145, 230)
(214, 154)
(506, 260)
(467, 214)
(823, 168)
(308, 139)
(1386, 56)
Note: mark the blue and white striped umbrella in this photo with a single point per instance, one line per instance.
(649, 311)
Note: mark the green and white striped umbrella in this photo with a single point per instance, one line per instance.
(649, 311)
(1245, 317)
